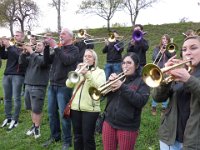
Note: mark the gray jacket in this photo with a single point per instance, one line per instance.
(37, 72)
(168, 128)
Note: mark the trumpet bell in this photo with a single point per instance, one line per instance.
(171, 47)
(74, 77)
(94, 93)
(152, 75)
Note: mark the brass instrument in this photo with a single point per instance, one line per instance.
(171, 48)
(111, 38)
(74, 76)
(47, 35)
(137, 35)
(153, 76)
(96, 93)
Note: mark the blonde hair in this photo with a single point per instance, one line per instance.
(94, 54)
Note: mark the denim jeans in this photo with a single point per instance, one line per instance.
(176, 146)
(112, 68)
(12, 85)
(58, 97)
(164, 104)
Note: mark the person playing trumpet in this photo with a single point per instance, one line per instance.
(63, 60)
(125, 103)
(85, 110)
(179, 127)
(13, 80)
(36, 81)
(114, 55)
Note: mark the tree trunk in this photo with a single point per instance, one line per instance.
(11, 29)
(135, 17)
(108, 24)
(59, 17)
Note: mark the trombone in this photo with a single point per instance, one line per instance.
(171, 48)
(153, 76)
(74, 76)
(111, 38)
(96, 93)
(137, 35)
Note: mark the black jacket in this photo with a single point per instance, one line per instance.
(82, 47)
(12, 66)
(140, 49)
(113, 55)
(63, 61)
(125, 105)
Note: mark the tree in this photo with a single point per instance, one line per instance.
(57, 4)
(134, 7)
(27, 12)
(22, 12)
(102, 8)
(7, 14)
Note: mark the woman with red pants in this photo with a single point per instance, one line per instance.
(125, 103)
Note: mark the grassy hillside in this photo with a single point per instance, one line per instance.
(147, 140)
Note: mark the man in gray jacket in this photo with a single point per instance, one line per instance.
(36, 81)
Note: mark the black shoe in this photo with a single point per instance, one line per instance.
(37, 132)
(49, 142)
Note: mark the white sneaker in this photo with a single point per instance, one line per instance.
(31, 130)
(6, 122)
(12, 125)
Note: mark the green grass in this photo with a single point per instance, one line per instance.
(147, 139)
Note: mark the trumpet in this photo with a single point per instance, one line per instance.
(96, 93)
(153, 76)
(74, 76)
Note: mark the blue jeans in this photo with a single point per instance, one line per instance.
(112, 68)
(164, 104)
(176, 146)
(58, 97)
(12, 85)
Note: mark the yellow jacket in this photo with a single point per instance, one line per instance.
(82, 100)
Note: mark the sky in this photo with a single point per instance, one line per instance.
(165, 11)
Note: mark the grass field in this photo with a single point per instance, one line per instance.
(148, 138)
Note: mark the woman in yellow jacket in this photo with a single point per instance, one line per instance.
(85, 110)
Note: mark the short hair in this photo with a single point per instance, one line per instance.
(22, 33)
(139, 25)
(68, 31)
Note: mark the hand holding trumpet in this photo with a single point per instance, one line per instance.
(82, 68)
(116, 85)
(178, 74)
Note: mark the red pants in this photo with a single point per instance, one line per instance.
(113, 137)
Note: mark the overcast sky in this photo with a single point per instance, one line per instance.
(165, 11)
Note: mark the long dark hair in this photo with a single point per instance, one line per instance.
(135, 59)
